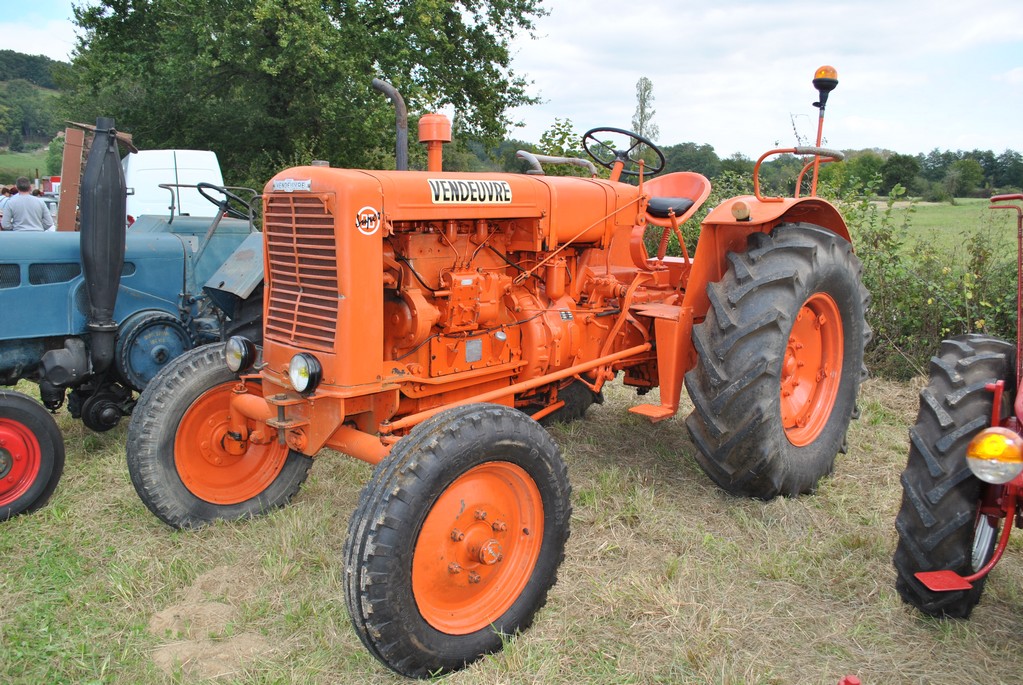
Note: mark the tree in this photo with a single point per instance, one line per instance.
(642, 120)
(55, 156)
(863, 165)
(898, 169)
(1009, 170)
(267, 84)
(36, 69)
(27, 111)
(692, 157)
(561, 140)
(963, 177)
(738, 164)
(934, 166)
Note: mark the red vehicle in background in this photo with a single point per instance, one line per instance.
(962, 482)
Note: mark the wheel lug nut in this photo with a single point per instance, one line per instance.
(499, 526)
(454, 567)
(481, 515)
(457, 535)
(474, 577)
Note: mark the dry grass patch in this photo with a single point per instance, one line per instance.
(666, 578)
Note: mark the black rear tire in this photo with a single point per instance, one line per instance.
(404, 522)
(578, 398)
(156, 463)
(744, 353)
(31, 455)
(938, 521)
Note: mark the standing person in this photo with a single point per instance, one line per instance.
(5, 195)
(24, 212)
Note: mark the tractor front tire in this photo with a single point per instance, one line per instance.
(938, 522)
(456, 539)
(780, 361)
(176, 455)
(31, 454)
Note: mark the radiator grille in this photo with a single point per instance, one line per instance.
(10, 275)
(303, 298)
(43, 274)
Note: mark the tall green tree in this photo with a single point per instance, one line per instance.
(642, 120)
(267, 83)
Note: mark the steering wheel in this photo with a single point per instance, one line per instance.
(605, 153)
(227, 204)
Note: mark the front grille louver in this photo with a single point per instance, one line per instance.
(304, 295)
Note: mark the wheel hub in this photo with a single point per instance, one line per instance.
(477, 548)
(20, 460)
(490, 552)
(205, 465)
(811, 369)
(6, 462)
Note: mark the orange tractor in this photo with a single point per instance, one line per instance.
(425, 321)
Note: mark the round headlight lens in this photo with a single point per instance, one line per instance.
(239, 353)
(995, 455)
(305, 372)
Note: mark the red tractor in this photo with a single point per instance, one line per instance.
(962, 483)
(425, 321)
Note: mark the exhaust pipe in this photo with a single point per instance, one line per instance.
(401, 122)
(102, 239)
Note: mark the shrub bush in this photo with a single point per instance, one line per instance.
(923, 293)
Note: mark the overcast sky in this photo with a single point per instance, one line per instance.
(914, 75)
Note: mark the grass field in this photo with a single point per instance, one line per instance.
(946, 224)
(14, 164)
(666, 578)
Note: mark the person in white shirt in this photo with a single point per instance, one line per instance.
(25, 212)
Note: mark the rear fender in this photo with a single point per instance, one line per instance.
(722, 233)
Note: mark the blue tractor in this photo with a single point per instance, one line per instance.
(93, 316)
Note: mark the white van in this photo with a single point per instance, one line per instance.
(145, 170)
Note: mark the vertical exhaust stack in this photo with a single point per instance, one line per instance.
(103, 211)
(401, 122)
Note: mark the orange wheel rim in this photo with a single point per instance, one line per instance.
(20, 460)
(206, 467)
(811, 370)
(477, 548)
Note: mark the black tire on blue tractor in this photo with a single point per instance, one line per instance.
(938, 523)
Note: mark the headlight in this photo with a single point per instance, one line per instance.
(995, 455)
(305, 372)
(239, 353)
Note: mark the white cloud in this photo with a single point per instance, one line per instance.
(1013, 77)
(734, 73)
(54, 37)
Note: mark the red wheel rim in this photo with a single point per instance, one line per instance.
(205, 466)
(20, 460)
(812, 369)
(477, 548)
